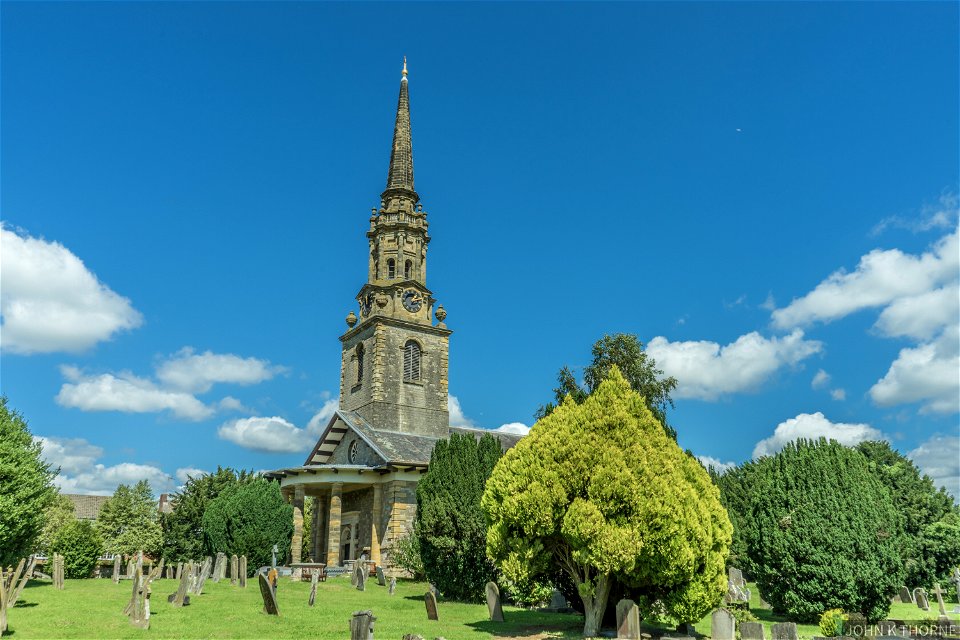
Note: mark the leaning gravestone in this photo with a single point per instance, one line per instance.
(313, 587)
(921, 597)
(361, 625)
(269, 597)
(243, 572)
(179, 571)
(430, 601)
(751, 631)
(234, 568)
(723, 626)
(628, 620)
(116, 569)
(494, 608)
(393, 586)
(784, 631)
(217, 568)
(906, 596)
(180, 598)
(381, 578)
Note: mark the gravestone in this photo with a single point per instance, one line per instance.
(170, 572)
(361, 625)
(939, 593)
(433, 589)
(180, 598)
(557, 601)
(268, 595)
(234, 568)
(723, 626)
(217, 567)
(130, 565)
(494, 608)
(784, 631)
(179, 571)
(921, 597)
(430, 601)
(412, 636)
(393, 586)
(138, 608)
(3, 603)
(243, 572)
(736, 586)
(381, 578)
(313, 587)
(906, 596)
(116, 569)
(360, 572)
(628, 620)
(751, 631)
(955, 576)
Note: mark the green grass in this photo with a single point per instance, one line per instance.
(94, 609)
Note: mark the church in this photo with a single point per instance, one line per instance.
(363, 472)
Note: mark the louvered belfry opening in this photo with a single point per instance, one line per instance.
(411, 361)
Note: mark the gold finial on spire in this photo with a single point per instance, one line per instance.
(404, 66)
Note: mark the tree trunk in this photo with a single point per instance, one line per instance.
(594, 606)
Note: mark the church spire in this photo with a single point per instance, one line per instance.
(399, 189)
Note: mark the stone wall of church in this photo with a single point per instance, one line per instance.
(365, 454)
(362, 501)
(400, 510)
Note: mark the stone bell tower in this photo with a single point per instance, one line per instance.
(394, 362)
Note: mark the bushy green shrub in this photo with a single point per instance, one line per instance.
(80, 545)
(405, 554)
(831, 622)
(826, 533)
(527, 593)
(248, 519)
(450, 524)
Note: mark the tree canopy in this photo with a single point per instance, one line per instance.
(128, 521)
(450, 525)
(26, 487)
(600, 489)
(625, 351)
(81, 546)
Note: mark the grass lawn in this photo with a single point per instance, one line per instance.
(94, 609)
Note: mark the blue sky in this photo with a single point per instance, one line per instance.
(766, 194)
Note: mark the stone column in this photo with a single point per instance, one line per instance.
(296, 543)
(377, 516)
(333, 525)
(315, 526)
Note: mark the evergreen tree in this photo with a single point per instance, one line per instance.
(736, 491)
(26, 487)
(183, 536)
(80, 545)
(450, 525)
(624, 351)
(826, 534)
(601, 490)
(58, 515)
(128, 521)
(248, 519)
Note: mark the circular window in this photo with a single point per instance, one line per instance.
(354, 449)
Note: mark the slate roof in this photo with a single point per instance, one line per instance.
(86, 507)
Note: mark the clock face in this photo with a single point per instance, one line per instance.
(412, 300)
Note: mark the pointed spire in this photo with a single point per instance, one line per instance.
(400, 176)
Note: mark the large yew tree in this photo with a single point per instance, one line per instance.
(601, 490)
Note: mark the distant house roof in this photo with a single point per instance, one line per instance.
(86, 507)
(166, 504)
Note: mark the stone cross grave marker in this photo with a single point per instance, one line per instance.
(494, 607)
(751, 631)
(243, 572)
(921, 598)
(313, 587)
(784, 631)
(116, 569)
(939, 593)
(723, 626)
(361, 625)
(430, 601)
(393, 586)
(381, 577)
(269, 597)
(234, 568)
(628, 620)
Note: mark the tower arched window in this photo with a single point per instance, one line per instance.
(391, 269)
(407, 269)
(411, 361)
(359, 353)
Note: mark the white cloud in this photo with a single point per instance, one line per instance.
(197, 373)
(881, 277)
(921, 316)
(457, 419)
(820, 380)
(81, 474)
(52, 302)
(320, 419)
(939, 458)
(271, 435)
(943, 215)
(229, 403)
(838, 394)
(185, 473)
(126, 392)
(705, 370)
(720, 467)
(517, 428)
(812, 426)
(928, 373)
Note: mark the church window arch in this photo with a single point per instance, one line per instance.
(391, 269)
(359, 353)
(407, 269)
(411, 361)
